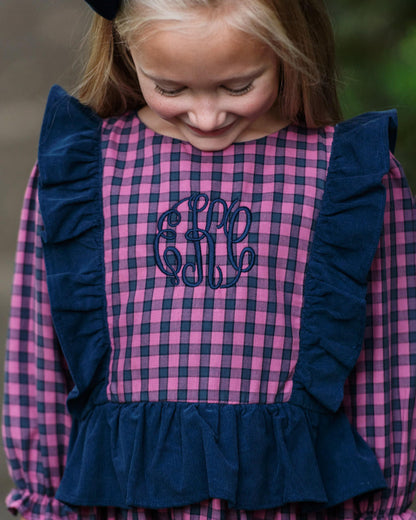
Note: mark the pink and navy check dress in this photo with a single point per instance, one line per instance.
(213, 335)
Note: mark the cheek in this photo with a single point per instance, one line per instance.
(262, 100)
(261, 103)
(165, 107)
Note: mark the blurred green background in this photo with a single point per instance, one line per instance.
(376, 48)
(40, 45)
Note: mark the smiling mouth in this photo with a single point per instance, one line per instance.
(212, 133)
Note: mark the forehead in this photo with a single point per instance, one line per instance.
(172, 49)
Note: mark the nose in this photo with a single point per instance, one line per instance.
(206, 114)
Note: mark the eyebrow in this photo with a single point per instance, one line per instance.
(246, 77)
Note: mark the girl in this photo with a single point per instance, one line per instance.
(214, 309)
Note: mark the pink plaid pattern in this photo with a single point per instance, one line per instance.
(36, 425)
(232, 344)
(380, 394)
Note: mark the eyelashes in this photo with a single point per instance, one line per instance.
(168, 92)
(175, 92)
(239, 91)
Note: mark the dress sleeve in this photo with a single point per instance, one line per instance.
(35, 421)
(380, 394)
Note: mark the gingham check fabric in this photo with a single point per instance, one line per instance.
(180, 334)
(192, 322)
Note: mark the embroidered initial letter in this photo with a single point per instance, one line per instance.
(192, 272)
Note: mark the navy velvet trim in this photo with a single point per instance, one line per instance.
(159, 455)
(346, 237)
(70, 198)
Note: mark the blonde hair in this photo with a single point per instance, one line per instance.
(298, 31)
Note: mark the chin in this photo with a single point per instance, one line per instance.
(212, 144)
(206, 145)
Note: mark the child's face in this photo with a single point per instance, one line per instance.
(209, 88)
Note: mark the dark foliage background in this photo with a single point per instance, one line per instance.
(376, 47)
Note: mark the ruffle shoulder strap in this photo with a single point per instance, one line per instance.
(71, 205)
(346, 237)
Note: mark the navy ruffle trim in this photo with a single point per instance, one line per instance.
(70, 198)
(346, 237)
(159, 455)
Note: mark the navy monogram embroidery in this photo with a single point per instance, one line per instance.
(192, 272)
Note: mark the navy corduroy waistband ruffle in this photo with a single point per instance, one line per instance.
(166, 454)
(158, 455)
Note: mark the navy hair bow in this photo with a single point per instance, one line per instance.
(106, 8)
